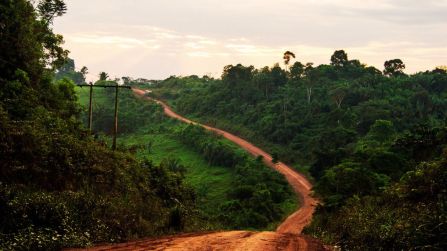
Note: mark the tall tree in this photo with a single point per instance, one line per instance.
(263, 81)
(287, 56)
(279, 76)
(394, 67)
(49, 9)
(233, 74)
(338, 94)
(28, 48)
(339, 58)
(297, 70)
(309, 80)
(84, 71)
(103, 76)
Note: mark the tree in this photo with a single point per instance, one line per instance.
(49, 9)
(287, 56)
(338, 94)
(84, 71)
(279, 76)
(422, 103)
(347, 179)
(394, 68)
(68, 67)
(103, 76)
(263, 81)
(26, 43)
(297, 70)
(126, 80)
(28, 49)
(382, 131)
(310, 79)
(339, 58)
(232, 74)
(68, 70)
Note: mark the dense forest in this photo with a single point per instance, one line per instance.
(374, 141)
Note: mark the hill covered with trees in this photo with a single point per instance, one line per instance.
(374, 141)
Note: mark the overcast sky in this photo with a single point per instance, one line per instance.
(155, 38)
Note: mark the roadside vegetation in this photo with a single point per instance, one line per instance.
(233, 190)
(373, 141)
(59, 187)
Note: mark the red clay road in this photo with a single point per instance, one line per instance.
(286, 237)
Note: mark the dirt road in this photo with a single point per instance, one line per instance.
(286, 237)
(221, 241)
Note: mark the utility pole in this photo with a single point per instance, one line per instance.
(115, 128)
(90, 109)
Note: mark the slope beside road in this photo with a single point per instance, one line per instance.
(295, 223)
(286, 237)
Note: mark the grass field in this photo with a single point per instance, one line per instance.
(210, 182)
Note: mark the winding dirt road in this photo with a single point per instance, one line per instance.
(295, 223)
(286, 237)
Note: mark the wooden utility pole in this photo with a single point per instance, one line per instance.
(90, 109)
(115, 128)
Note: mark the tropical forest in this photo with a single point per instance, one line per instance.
(287, 155)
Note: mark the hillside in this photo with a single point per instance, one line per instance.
(219, 172)
(366, 137)
(286, 237)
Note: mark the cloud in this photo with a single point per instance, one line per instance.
(405, 12)
(156, 39)
(199, 54)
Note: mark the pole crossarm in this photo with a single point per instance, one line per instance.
(106, 86)
(90, 109)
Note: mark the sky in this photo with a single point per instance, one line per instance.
(155, 39)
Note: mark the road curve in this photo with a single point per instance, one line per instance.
(295, 223)
(286, 237)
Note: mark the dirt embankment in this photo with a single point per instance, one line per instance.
(287, 236)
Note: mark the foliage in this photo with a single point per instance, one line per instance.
(339, 58)
(241, 172)
(58, 186)
(214, 151)
(103, 76)
(68, 70)
(409, 215)
(359, 131)
(394, 67)
(257, 192)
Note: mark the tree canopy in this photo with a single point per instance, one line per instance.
(359, 132)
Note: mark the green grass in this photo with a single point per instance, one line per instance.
(210, 182)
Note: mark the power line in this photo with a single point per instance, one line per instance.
(90, 109)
